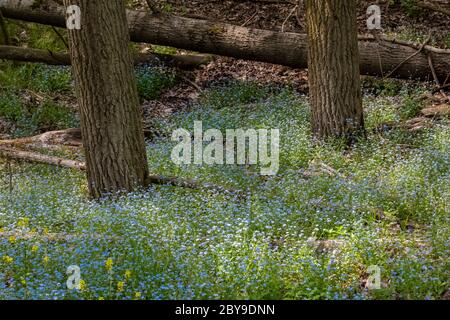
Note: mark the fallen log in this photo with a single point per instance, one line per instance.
(34, 55)
(184, 62)
(289, 49)
(48, 140)
(442, 110)
(13, 153)
(34, 157)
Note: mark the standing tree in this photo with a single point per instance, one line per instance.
(333, 64)
(111, 126)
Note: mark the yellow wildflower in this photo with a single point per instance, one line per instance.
(101, 298)
(7, 259)
(108, 264)
(46, 259)
(120, 286)
(137, 295)
(12, 239)
(82, 285)
(34, 248)
(23, 222)
(127, 274)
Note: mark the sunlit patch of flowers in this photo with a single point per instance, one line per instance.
(7, 259)
(82, 285)
(387, 206)
(109, 264)
(12, 239)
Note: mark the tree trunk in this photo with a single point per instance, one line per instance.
(111, 126)
(289, 49)
(334, 81)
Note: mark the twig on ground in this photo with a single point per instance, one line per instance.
(192, 83)
(404, 43)
(438, 89)
(287, 19)
(61, 37)
(300, 5)
(249, 19)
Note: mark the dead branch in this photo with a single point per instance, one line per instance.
(435, 77)
(409, 57)
(445, 86)
(13, 153)
(287, 18)
(60, 36)
(250, 19)
(404, 43)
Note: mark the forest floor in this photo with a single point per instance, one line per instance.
(314, 231)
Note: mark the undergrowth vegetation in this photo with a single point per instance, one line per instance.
(35, 98)
(290, 236)
(385, 204)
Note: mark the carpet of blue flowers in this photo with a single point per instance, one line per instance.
(385, 203)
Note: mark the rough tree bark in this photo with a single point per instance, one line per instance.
(334, 81)
(289, 49)
(106, 90)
